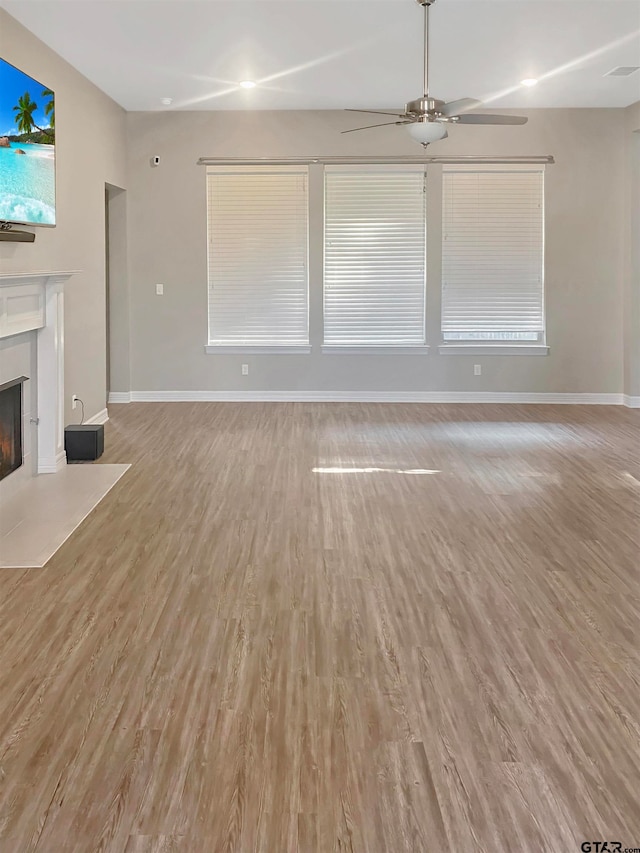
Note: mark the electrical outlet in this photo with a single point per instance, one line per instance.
(477, 370)
(74, 401)
(159, 289)
(245, 369)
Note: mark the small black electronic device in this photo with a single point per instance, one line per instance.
(84, 442)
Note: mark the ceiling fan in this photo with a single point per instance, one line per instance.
(428, 117)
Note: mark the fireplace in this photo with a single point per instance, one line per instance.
(11, 426)
(34, 302)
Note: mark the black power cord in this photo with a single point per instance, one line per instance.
(78, 400)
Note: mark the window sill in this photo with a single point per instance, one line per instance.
(224, 349)
(328, 349)
(493, 349)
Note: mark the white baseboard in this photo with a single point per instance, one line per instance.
(631, 402)
(99, 418)
(53, 464)
(119, 397)
(369, 397)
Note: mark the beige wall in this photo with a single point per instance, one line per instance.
(632, 255)
(90, 151)
(167, 243)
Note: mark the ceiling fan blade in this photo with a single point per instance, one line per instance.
(376, 112)
(479, 118)
(369, 126)
(456, 108)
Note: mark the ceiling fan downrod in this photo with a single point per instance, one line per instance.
(425, 5)
(425, 106)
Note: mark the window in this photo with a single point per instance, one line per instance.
(258, 270)
(374, 257)
(369, 288)
(493, 255)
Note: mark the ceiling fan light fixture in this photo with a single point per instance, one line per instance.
(427, 117)
(427, 131)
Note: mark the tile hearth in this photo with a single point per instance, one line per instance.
(45, 510)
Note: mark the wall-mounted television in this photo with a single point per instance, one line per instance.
(27, 149)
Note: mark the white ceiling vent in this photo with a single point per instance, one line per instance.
(623, 71)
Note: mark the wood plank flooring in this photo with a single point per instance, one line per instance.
(246, 647)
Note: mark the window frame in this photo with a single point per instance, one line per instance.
(421, 348)
(505, 347)
(315, 268)
(222, 348)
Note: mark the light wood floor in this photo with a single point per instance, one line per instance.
(235, 652)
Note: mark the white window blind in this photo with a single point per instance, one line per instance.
(258, 270)
(493, 254)
(374, 257)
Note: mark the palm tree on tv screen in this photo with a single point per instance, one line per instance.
(49, 107)
(24, 115)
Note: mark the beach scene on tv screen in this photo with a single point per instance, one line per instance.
(27, 149)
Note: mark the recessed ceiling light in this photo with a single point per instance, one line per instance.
(166, 101)
(248, 84)
(528, 81)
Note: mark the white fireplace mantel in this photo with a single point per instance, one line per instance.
(34, 301)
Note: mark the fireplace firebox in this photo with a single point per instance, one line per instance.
(11, 426)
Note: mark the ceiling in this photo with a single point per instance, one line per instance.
(331, 54)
